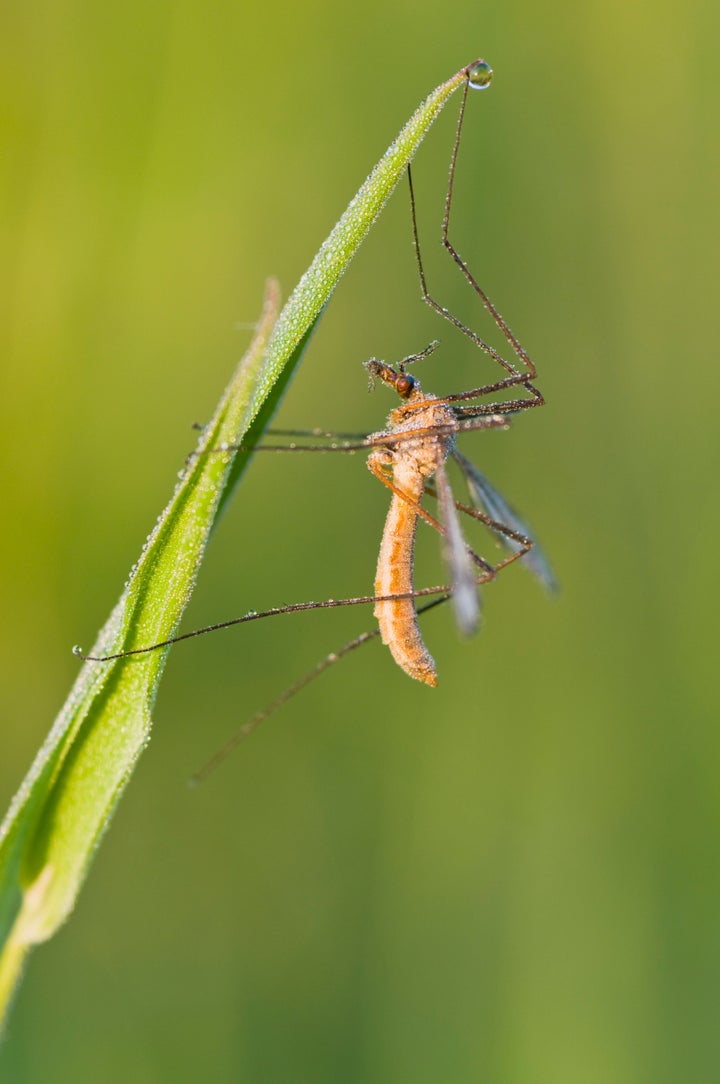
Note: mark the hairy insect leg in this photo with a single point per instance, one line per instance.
(261, 716)
(500, 323)
(525, 543)
(423, 513)
(485, 420)
(444, 589)
(252, 724)
(516, 530)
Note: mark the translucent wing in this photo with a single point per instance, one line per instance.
(465, 599)
(487, 498)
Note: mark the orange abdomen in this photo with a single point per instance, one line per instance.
(398, 618)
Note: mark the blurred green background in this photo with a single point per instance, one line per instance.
(513, 877)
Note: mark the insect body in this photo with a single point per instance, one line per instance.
(413, 449)
(412, 461)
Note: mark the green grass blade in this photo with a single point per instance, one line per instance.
(66, 801)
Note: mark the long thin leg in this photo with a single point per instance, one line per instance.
(485, 420)
(484, 495)
(505, 406)
(265, 713)
(507, 332)
(260, 717)
(485, 411)
(252, 724)
(517, 347)
(488, 569)
(259, 615)
(489, 572)
(522, 540)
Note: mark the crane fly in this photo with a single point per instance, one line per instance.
(421, 436)
(409, 457)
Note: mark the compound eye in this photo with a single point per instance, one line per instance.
(404, 385)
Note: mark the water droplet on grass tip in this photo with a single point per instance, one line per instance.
(479, 75)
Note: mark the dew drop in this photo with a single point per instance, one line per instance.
(479, 75)
(77, 650)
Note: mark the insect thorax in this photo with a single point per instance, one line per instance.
(430, 439)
